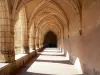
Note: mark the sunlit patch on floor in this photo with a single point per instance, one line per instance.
(78, 66)
(50, 63)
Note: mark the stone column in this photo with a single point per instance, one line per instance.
(32, 43)
(36, 43)
(7, 53)
(39, 43)
(25, 44)
(24, 30)
(34, 38)
(59, 44)
(32, 34)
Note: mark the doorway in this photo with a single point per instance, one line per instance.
(50, 40)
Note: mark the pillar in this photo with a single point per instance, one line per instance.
(59, 44)
(37, 38)
(32, 43)
(32, 37)
(7, 53)
(24, 31)
(25, 44)
(40, 43)
(36, 43)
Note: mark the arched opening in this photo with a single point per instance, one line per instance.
(50, 40)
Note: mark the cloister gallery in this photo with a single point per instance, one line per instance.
(49, 37)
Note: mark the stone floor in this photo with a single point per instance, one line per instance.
(49, 62)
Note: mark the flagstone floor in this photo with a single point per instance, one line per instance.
(49, 62)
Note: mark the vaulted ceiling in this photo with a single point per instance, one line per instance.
(52, 15)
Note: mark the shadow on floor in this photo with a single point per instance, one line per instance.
(32, 73)
(28, 64)
(50, 54)
(53, 51)
(23, 70)
(53, 61)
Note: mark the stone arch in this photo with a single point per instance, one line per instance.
(75, 6)
(48, 9)
(52, 17)
(50, 29)
(48, 24)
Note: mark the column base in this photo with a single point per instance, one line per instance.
(25, 50)
(32, 48)
(7, 58)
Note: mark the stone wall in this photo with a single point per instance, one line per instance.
(21, 59)
(86, 47)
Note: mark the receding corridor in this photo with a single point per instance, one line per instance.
(66, 31)
(49, 62)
